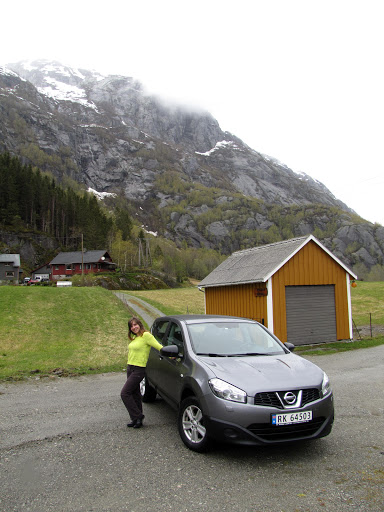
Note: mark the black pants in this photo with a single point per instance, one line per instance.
(130, 394)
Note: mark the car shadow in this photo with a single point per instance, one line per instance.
(282, 452)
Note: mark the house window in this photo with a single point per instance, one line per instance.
(56, 267)
(68, 267)
(89, 266)
(9, 274)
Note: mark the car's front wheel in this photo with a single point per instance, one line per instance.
(191, 425)
(148, 393)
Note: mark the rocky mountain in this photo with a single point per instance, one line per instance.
(187, 179)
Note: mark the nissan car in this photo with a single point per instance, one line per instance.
(231, 380)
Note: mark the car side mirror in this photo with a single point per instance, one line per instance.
(290, 346)
(170, 351)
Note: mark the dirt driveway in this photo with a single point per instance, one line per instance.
(139, 307)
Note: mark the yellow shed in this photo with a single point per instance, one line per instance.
(297, 288)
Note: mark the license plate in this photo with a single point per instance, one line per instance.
(291, 417)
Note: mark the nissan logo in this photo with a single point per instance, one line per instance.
(290, 398)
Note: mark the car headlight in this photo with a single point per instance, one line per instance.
(326, 385)
(226, 391)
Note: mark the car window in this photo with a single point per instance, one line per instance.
(159, 329)
(175, 337)
(232, 338)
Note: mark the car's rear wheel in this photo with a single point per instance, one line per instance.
(148, 393)
(191, 425)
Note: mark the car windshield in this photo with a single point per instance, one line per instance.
(228, 339)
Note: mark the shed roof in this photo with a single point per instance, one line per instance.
(10, 258)
(258, 264)
(66, 258)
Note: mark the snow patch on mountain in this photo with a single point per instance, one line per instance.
(6, 71)
(219, 145)
(100, 195)
(61, 91)
(60, 82)
(153, 233)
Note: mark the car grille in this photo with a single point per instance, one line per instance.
(285, 432)
(268, 399)
(310, 395)
(271, 398)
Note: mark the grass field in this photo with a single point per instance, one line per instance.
(368, 299)
(61, 331)
(174, 302)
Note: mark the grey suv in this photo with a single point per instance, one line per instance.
(232, 380)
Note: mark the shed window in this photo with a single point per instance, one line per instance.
(9, 273)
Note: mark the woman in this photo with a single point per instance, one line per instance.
(139, 345)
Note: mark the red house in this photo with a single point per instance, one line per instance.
(68, 264)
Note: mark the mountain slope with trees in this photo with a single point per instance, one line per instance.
(39, 218)
(174, 170)
(31, 200)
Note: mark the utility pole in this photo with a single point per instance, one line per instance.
(140, 252)
(148, 253)
(82, 258)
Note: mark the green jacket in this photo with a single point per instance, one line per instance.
(138, 349)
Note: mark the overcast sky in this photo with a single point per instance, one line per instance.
(299, 80)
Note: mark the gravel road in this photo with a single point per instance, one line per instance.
(139, 307)
(64, 447)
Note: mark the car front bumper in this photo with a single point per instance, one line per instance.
(248, 424)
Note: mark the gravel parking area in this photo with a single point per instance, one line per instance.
(64, 446)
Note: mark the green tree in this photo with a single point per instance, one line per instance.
(123, 223)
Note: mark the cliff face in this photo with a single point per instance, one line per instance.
(110, 135)
(115, 135)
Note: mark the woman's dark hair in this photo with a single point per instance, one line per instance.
(131, 335)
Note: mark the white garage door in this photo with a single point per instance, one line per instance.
(311, 314)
